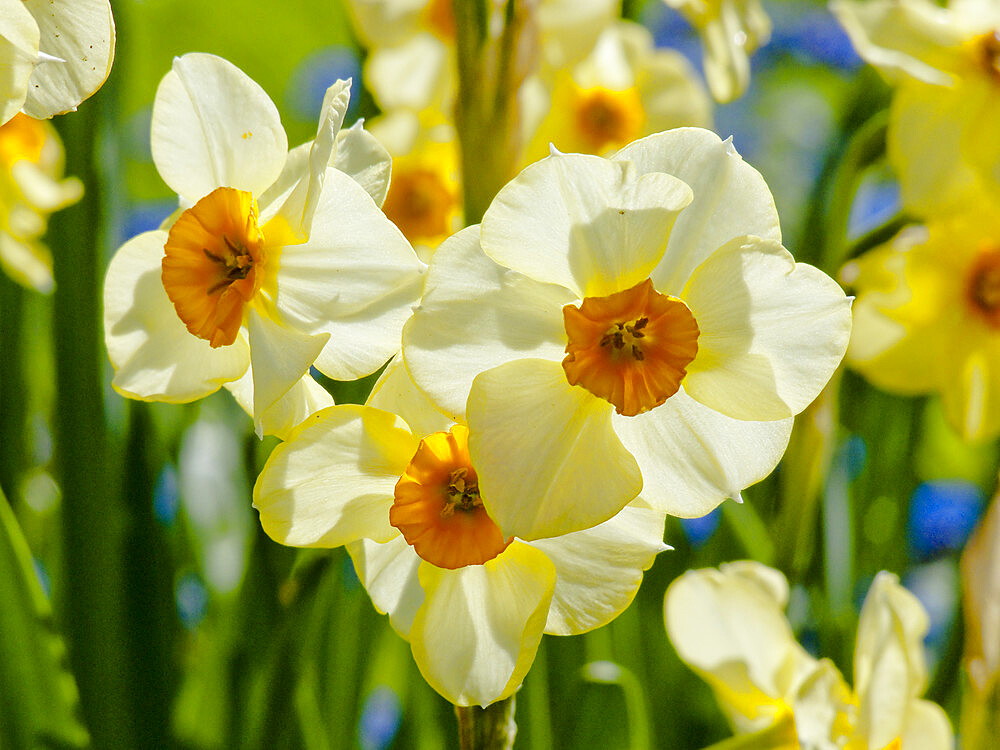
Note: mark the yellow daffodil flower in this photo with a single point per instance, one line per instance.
(31, 188)
(927, 316)
(411, 56)
(54, 54)
(731, 30)
(275, 262)
(728, 626)
(945, 64)
(394, 482)
(621, 325)
(425, 195)
(623, 90)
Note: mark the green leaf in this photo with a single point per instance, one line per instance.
(39, 697)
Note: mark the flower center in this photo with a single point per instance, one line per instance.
(608, 119)
(437, 506)
(982, 288)
(420, 203)
(212, 264)
(630, 348)
(987, 50)
(439, 19)
(21, 137)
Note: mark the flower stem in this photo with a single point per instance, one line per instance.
(490, 728)
(491, 68)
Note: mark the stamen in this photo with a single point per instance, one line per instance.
(631, 348)
(437, 505)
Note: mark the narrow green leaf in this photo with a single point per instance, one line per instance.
(38, 697)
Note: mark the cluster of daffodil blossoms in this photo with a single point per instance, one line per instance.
(928, 308)
(620, 339)
(623, 336)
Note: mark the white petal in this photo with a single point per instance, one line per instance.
(389, 572)
(927, 727)
(475, 315)
(547, 457)
(18, 52)
(476, 634)
(729, 626)
(771, 331)
(212, 126)
(27, 262)
(889, 668)
(335, 102)
(360, 155)
(80, 32)
(154, 356)
(911, 37)
(586, 223)
(731, 199)
(395, 391)
(692, 457)
(355, 278)
(279, 356)
(412, 75)
(332, 482)
(304, 398)
(598, 570)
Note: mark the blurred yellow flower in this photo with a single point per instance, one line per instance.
(731, 30)
(624, 89)
(54, 54)
(31, 188)
(624, 324)
(728, 626)
(945, 65)
(927, 316)
(393, 480)
(276, 261)
(981, 608)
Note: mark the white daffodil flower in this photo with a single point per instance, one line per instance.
(728, 625)
(621, 325)
(393, 481)
(276, 261)
(54, 53)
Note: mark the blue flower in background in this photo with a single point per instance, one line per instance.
(315, 74)
(380, 719)
(144, 217)
(191, 597)
(700, 530)
(942, 515)
(166, 500)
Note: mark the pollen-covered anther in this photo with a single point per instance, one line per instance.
(212, 266)
(982, 289)
(630, 348)
(437, 506)
(987, 47)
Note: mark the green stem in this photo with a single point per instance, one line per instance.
(489, 77)
(93, 611)
(13, 389)
(490, 728)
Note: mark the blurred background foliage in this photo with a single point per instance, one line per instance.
(143, 606)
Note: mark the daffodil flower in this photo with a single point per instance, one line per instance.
(623, 90)
(31, 188)
(728, 626)
(945, 64)
(54, 53)
(731, 30)
(621, 325)
(928, 316)
(394, 482)
(276, 261)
